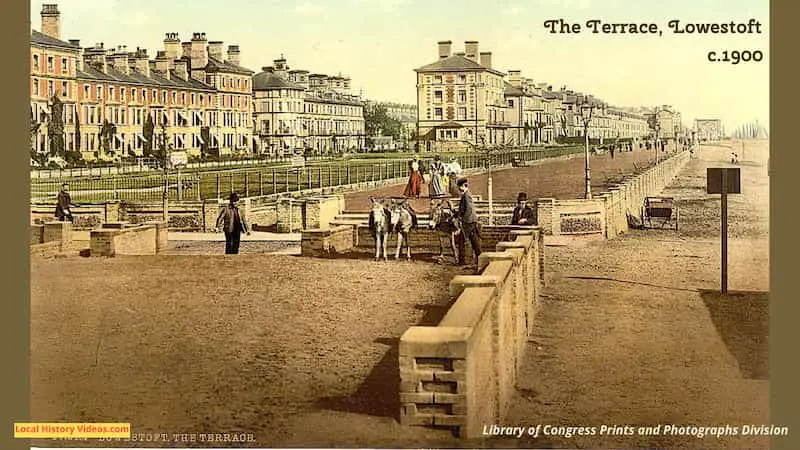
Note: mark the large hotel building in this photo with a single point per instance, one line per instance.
(464, 102)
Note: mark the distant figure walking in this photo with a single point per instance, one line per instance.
(469, 224)
(64, 204)
(233, 224)
(437, 187)
(414, 186)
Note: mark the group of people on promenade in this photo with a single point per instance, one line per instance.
(442, 181)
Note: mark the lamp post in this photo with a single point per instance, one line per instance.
(587, 110)
(655, 145)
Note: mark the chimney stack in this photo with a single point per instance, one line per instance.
(186, 50)
(215, 50)
(233, 54)
(172, 47)
(51, 20)
(486, 59)
(445, 48)
(514, 78)
(281, 68)
(199, 55)
(471, 50)
(97, 57)
(141, 62)
(162, 64)
(182, 68)
(120, 63)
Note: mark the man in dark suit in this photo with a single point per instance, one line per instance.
(233, 224)
(523, 213)
(469, 224)
(64, 204)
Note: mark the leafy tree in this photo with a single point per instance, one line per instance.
(55, 127)
(148, 132)
(378, 122)
(107, 132)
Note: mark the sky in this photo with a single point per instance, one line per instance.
(378, 43)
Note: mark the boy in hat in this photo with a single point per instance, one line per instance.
(523, 214)
(233, 224)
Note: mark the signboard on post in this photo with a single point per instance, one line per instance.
(715, 177)
(723, 181)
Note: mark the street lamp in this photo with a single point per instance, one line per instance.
(655, 145)
(587, 109)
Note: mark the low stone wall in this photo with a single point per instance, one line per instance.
(426, 240)
(146, 239)
(605, 216)
(327, 242)
(461, 373)
(50, 238)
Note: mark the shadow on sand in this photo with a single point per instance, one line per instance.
(378, 395)
(742, 320)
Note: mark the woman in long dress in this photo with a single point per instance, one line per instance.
(453, 172)
(414, 186)
(437, 187)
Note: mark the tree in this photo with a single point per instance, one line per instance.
(377, 122)
(55, 127)
(107, 133)
(74, 157)
(147, 133)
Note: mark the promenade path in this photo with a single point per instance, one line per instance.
(562, 178)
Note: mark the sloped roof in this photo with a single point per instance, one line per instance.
(265, 81)
(512, 91)
(48, 41)
(455, 63)
(215, 65)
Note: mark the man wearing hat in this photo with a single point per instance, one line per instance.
(233, 224)
(64, 204)
(469, 224)
(523, 214)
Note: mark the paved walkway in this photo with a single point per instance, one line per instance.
(634, 331)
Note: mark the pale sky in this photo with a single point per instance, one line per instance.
(378, 43)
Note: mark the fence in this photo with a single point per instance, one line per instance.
(260, 181)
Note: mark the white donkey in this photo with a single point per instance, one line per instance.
(401, 223)
(379, 226)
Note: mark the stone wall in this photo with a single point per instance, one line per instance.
(461, 373)
(605, 216)
(327, 242)
(129, 240)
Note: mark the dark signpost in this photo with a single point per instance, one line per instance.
(723, 181)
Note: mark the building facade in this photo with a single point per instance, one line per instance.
(464, 103)
(197, 100)
(296, 110)
(461, 100)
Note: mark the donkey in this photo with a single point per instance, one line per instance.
(401, 223)
(379, 226)
(444, 221)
